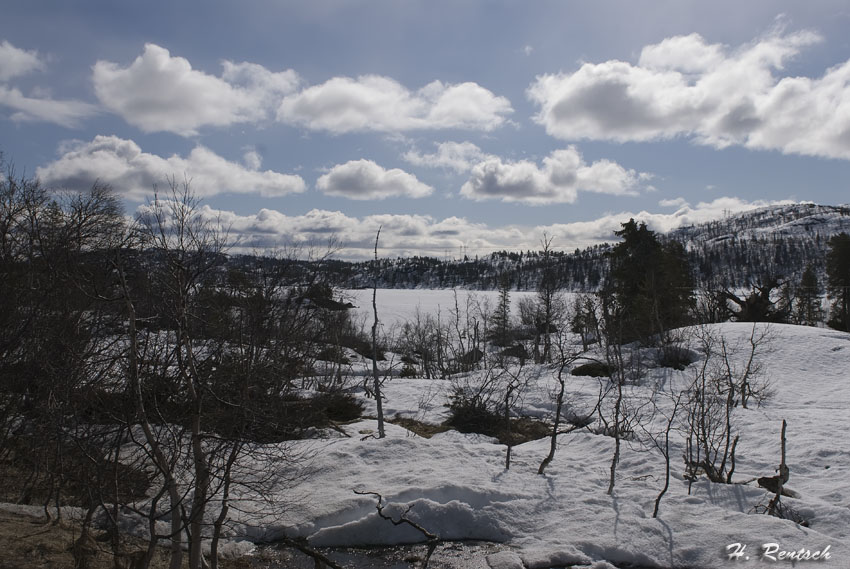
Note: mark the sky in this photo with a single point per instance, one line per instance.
(458, 128)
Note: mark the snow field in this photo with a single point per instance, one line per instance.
(458, 487)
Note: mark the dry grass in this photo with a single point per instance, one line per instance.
(424, 430)
(28, 542)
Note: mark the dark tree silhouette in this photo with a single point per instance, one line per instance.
(838, 280)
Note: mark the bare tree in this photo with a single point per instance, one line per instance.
(565, 358)
(718, 385)
(659, 439)
(550, 304)
(375, 375)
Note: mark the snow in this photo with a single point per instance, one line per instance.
(396, 306)
(456, 485)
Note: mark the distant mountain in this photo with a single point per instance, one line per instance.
(734, 252)
(754, 246)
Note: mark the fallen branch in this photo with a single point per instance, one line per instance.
(301, 546)
(432, 539)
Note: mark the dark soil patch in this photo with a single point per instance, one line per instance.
(593, 369)
(29, 542)
(525, 429)
(424, 430)
(522, 430)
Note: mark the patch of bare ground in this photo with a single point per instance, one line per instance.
(424, 430)
(28, 542)
(523, 429)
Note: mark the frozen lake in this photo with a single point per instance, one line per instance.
(395, 306)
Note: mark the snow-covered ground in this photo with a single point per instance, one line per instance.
(458, 487)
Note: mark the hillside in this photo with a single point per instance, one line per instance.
(734, 252)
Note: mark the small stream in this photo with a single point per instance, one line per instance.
(447, 555)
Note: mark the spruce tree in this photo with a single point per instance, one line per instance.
(502, 316)
(650, 283)
(808, 310)
(838, 280)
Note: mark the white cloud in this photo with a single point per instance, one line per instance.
(15, 62)
(161, 92)
(715, 95)
(376, 103)
(457, 156)
(366, 180)
(38, 106)
(158, 92)
(674, 202)
(252, 159)
(133, 173)
(563, 174)
(688, 54)
(64, 113)
(403, 235)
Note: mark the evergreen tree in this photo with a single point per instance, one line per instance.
(649, 282)
(808, 310)
(838, 280)
(502, 316)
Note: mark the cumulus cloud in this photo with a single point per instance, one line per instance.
(717, 96)
(366, 180)
(562, 175)
(133, 173)
(404, 235)
(457, 156)
(376, 103)
(15, 62)
(160, 92)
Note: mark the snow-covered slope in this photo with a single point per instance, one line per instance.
(458, 487)
(734, 251)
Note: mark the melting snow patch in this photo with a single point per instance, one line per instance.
(504, 560)
(454, 520)
(565, 557)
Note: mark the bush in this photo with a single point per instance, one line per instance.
(473, 415)
(594, 369)
(273, 419)
(339, 407)
(470, 414)
(333, 355)
(362, 346)
(675, 357)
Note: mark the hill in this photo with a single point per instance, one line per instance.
(735, 252)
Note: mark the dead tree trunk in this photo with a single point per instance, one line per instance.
(375, 373)
(781, 478)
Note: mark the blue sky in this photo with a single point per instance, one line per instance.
(457, 126)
